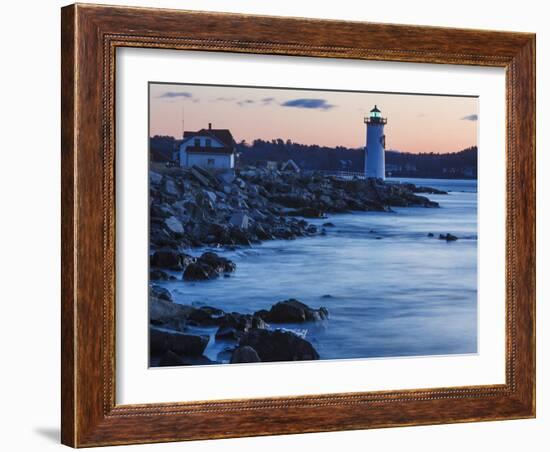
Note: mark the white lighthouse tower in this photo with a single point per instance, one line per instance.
(375, 162)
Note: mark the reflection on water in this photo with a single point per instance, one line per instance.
(390, 289)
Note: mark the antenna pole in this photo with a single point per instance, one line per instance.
(182, 120)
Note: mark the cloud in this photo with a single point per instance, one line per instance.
(268, 100)
(242, 103)
(225, 99)
(320, 104)
(472, 117)
(175, 94)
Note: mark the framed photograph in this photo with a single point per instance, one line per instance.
(281, 225)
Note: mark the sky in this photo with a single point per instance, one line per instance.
(415, 123)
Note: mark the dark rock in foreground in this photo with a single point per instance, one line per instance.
(170, 259)
(171, 359)
(171, 343)
(160, 342)
(208, 266)
(245, 354)
(159, 275)
(292, 311)
(205, 316)
(160, 293)
(233, 325)
(278, 345)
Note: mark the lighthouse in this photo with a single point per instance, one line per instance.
(375, 162)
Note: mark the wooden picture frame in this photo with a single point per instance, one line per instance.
(90, 36)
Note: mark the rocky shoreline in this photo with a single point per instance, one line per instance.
(194, 208)
(174, 338)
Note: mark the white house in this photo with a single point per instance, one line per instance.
(208, 148)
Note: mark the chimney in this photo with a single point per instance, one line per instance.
(209, 126)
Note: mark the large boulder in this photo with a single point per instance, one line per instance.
(155, 178)
(205, 316)
(278, 345)
(292, 311)
(159, 275)
(218, 263)
(174, 225)
(208, 266)
(197, 272)
(170, 259)
(239, 220)
(160, 293)
(202, 177)
(161, 341)
(244, 354)
(170, 188)
(233, 326)
(167, 314)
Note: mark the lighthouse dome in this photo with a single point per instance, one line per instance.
(375, 112)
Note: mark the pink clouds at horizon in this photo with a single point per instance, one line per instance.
(416, 123)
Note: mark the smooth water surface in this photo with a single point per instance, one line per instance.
(390, 289)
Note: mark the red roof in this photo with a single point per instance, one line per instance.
(222, 135)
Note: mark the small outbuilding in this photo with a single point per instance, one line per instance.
(290, 165)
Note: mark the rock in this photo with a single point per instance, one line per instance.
(160, 293)
(244, 354)
(211, 195)
(308, 212)
(233, 325)
(171, 359)
(205, 316)
(228, 333)
(161, 341)
(227, 177)
(208, 266)
(328, 225)
(170, 260)
(163, 311)
(196, 272)
(218, 263)
(170, 187)
(311, 229)
(429, 190)
(239, 220)
(239, 237)
(200, 177)
(159, 275)
(155, 178)
(278, 345)
(174, 225)
(448, 237)
(430, 234)
(292, 311)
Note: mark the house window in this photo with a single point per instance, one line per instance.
(197, 142)
(210, 162)
(208, 142)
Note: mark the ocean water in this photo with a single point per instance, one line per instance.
(390, 289)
